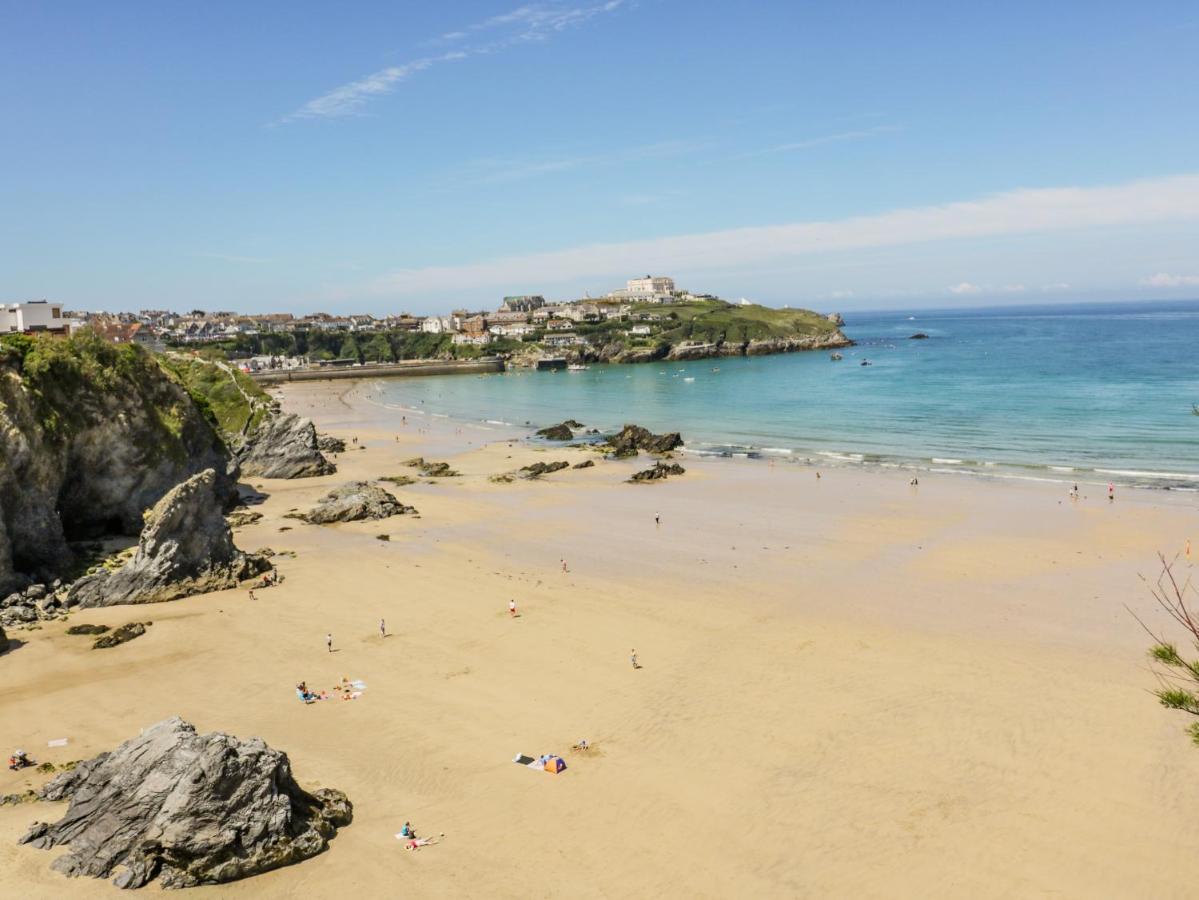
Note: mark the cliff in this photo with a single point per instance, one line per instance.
(91, 436)
(698, 330)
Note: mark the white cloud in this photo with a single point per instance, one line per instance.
(1162, 279)
(965, 287)
(533, 22)
(840, 295)
(1024, 211)
(493, 171)
(1056, 286)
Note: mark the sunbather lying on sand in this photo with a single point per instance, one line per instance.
(420, 842)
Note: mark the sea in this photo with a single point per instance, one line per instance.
(1086, 393)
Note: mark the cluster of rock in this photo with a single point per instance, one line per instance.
(353, 502)
(633, 438)
(185, 548)
(122, 635)
(327, 443)
(431, 469)
(3, 641)
(284, 446)
(560, 432)
(36, 603)
(659, 472)
(537, 469)
(187, 809)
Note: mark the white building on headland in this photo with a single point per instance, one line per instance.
(650, 289)
(35, 315)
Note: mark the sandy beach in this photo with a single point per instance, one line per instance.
(848, 687)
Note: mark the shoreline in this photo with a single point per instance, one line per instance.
(849, 687)
(1047, 473)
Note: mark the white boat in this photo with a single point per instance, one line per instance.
(576, 367)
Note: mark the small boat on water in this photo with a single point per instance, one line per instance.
(836, 357)
(866, 362)
(576, 367)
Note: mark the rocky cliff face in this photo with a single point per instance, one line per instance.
(186, 548)
(187, 809)
(91, 435)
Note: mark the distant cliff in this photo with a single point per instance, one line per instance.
(91, 436)
(698, 330)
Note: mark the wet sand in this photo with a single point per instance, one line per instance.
(849, 686)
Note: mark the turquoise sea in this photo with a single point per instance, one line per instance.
(1086, 393)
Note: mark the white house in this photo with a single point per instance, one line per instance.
(650, 289)
(516, 329)
(478, 340)
(641, 330)
(436, 324)
(569, 339)
(36, 315)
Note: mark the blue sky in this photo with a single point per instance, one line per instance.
(416, 156)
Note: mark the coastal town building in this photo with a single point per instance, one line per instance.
(564, 339)
(523, 303)
(478, 340)
(514, 330)
(650, 289)
(436, 324)
(33, 316)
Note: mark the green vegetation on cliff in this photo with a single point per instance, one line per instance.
(229, 399)
(713, 321)
(67, 378)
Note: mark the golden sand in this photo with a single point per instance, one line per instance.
(850, 687)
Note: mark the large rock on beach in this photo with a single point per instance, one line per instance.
(3, 641)
(188, 809)
(353, 502)
(186, 548)
(537, 469)
(284, 446)
(560, 432)
(659, 472)
(632, 438)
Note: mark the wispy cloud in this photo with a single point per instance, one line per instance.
(965, 287)
(1025, 211)
(229, 257)
(532, 22)
(860, 134)
(1166, 280)
(493, 171)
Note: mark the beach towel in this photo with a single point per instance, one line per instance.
(522, 760)
(57, 742)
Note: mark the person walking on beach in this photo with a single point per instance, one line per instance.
(633, 659)
(329, 642)
(564, 569)
(1111, 492)
(252, 597)
(657, 519)
(512, 609)
(382, 628)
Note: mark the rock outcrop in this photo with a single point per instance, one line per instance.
(35, 603)
(283, 446)
(353, 502)
(632, 438)
(122, 635)
(327, 443)
(187, 809)
(186, 548)
(3, 641)
(537, 469)
(918, 336)
(560, 432)
(659, 472)
(585, 464)
(91, 435)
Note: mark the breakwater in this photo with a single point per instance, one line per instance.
(405, 369)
